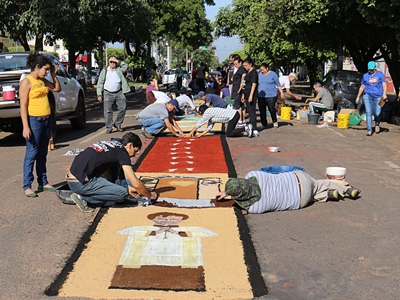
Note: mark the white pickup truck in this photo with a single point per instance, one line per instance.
(67, 104)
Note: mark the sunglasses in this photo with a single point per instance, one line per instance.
(113, 62)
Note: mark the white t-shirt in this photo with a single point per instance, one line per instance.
(285, 82)
(184, 100)
(161, 97)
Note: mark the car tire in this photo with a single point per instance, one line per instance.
(79, 121)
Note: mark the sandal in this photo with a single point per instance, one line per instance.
(377, 131)
(369, 134)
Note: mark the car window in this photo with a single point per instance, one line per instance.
(347, 76)
(61, 70)
(327, 78)
(9, 62)
(170, 72)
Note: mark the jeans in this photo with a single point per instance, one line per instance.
(262, 107)
(120, 100)
(36, 150)
(372, 107)
(316, 104)
(99, 190)
(152, 125)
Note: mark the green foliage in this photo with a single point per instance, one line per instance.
(206, 56)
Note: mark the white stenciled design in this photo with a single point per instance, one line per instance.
(190, 157)
(187, 148)
(173, 149)
(174, 162)
(172, 170)
(175, 144)
(175, 157)
(174, 153)
(188, 152)
(190, 162)
(188, 143)
(189, 169)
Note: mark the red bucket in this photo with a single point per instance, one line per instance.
(8, 93)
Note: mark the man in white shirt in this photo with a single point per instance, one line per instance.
(285, 82)
(111, 88)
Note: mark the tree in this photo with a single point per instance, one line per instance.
(289, 32)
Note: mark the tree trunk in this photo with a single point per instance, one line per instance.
(23, 40)
(71, 60)
(39, 42)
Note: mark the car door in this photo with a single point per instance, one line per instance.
(65, 99)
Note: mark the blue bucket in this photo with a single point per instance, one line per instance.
(281, 169)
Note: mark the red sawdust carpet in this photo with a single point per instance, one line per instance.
(185, 155)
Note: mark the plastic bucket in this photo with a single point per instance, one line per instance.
(313, 118)
(286, 113)
(8, 93)
(281, 169)
(355, 119)
(335, 173)
(304, 115)
(329, 116)
(343, 121)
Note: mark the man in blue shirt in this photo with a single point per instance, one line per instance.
(211, 99)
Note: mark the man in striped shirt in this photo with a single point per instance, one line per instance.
(261, 192)
(212, 115)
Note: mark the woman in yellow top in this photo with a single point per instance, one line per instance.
(36, 119)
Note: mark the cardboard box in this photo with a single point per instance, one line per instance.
(347, 111)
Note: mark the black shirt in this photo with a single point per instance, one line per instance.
(237, 78)
(98, 158)
(250, 78)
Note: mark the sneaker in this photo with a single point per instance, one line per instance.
(249, 130)
(144, 201)
(256, 133)
(353, 192)
(82, 204)
(276, 125)
(333, 195)
(147, 135)
(241, 124)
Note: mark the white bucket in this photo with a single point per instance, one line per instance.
(8, 93)
(336, 173)
(329, 116)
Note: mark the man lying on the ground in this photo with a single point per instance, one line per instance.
(212, 115)
(261, 192)
(155, 117)
(94, 175)
(212, 99)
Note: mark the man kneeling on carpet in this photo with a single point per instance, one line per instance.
(214, 115)
(261, 192)
(155, 117)
(93, 176)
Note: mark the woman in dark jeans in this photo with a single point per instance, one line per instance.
(268, 87)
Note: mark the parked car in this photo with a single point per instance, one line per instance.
(343, 84)
(69, 103)
(169, 77)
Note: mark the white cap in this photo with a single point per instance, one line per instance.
(293, 75)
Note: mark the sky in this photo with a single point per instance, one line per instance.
(225, 45)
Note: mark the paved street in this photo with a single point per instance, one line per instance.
(335, 250)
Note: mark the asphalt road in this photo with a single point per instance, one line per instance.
(334, 250)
